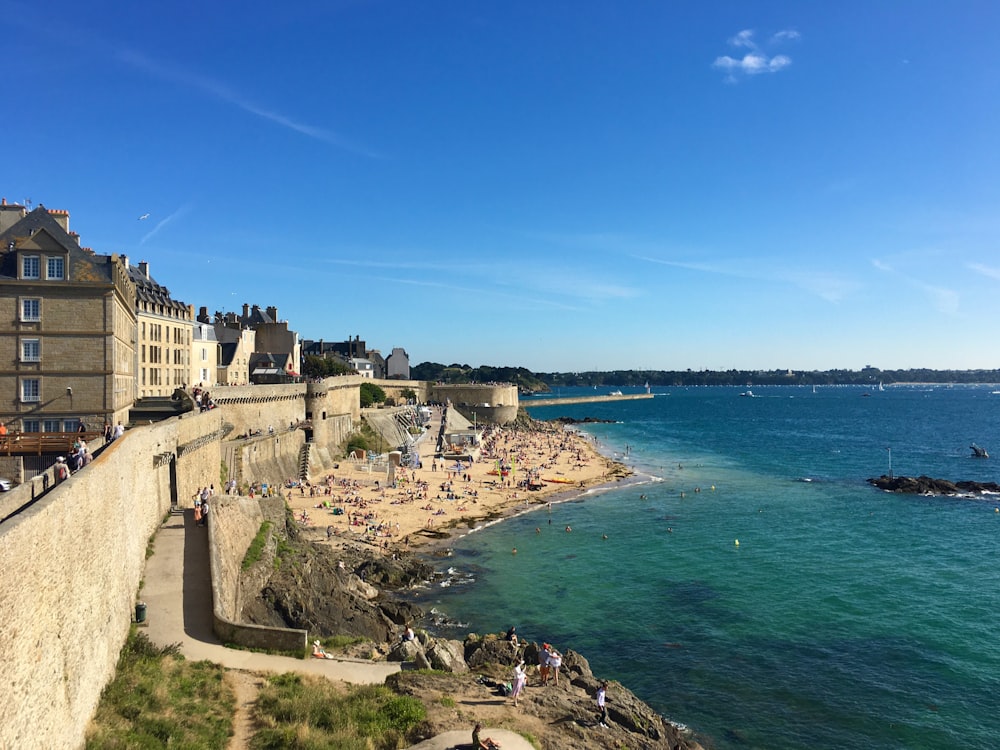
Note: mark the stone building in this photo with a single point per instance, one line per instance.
(205, 355)
(164, 327)
(236, 346)
(67, 326)
(397, 364)
(271, 336)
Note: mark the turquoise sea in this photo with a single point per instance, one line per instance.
(845, 617)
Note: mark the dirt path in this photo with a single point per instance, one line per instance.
(245, 686)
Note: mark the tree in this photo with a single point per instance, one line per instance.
(314, 366)
(408, 394)
(371, 394)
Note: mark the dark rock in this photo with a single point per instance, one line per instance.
(924, 485)
(302, 584)
(491, 649)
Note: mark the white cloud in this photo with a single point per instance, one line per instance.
(827, 286)
(945, 300)
(744, 39)
(163, 222)
(988, 271)
(213, 88)
(756, 61)
(785, 36)
(752, 63)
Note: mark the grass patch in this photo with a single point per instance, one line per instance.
(447, 701)
(284, 550)
(306, 713)
(158, 699)
(256, 548)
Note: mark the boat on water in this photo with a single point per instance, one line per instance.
(615, 393)
(748, 394)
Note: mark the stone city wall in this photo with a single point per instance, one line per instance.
(73, 561)
(468, 399)
(235, 522)
(72, 564)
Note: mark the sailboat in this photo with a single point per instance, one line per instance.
(880, 386)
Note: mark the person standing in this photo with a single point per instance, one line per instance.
(555, 661)
(602, 694)
(520, 677)
(543, 663)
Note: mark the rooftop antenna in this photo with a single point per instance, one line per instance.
(27, 203)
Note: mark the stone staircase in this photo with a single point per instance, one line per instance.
(304, 454)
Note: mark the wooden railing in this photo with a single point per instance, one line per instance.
(39, 443)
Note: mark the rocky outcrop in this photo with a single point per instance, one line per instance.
(331, 592)
(562, 715)
(924, 485)
(585, 420)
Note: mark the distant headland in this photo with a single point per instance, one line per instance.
(543, 382)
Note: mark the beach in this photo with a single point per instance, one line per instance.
(445, 497)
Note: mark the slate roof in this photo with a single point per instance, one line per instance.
(83, 265)
(147, 289)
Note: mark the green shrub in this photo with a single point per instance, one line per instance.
(256, 548)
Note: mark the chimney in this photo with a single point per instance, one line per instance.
(125, 261)
(273, 312)
(144, 268)
(202, 314)
(246, 311)
(61, 217)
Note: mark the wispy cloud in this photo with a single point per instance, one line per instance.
(164, 222)
(945, 300)
(828, 286)
(218, 90)
(756, 61)
(557, 283)
(988, 271)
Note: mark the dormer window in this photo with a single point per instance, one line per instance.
(55, 268)
(31, 267)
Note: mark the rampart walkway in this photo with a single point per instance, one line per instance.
(178, 596)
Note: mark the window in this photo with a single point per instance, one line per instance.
(31, 309)
(30, 267)
(31, 350)
(204, 354)
(71, 425)
(31, 389)
(51, 425)
(31, 425)
(55, 268)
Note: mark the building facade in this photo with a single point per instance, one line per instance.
(397, 364)
(67, 327)
(165, 337)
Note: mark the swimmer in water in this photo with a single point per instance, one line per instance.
(568, 529)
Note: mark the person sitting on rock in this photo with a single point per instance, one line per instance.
(482, 744)
(319, 652)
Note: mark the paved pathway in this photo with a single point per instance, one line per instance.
(178, 596)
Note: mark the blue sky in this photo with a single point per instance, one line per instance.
(564, 186)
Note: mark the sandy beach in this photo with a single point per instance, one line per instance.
(446, 496)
